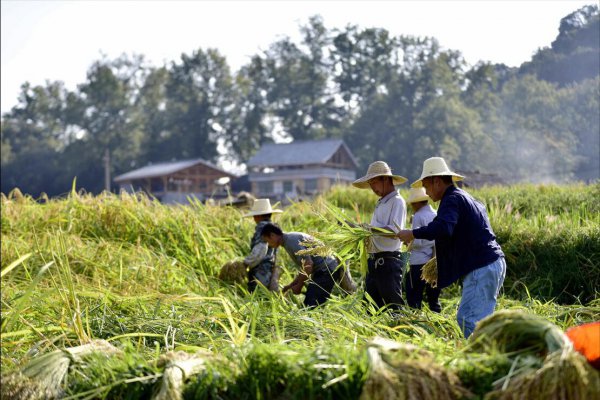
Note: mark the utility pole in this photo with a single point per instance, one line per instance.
(107, 170)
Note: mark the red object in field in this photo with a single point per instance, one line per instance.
(586, 340)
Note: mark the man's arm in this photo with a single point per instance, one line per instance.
(256, 255)
(298, 282)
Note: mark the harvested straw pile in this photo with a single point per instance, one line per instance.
(179, 366)
(43, 376)
(233, 271)
(400, 371)
(518, 331)
(547, 366)
(564, 375)
(429, 272)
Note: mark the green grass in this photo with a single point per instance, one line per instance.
(143, 276)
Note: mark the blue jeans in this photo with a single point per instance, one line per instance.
(479, 294)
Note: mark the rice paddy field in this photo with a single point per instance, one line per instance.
(118, 297)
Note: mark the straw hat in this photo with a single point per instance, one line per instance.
(261, 207)
(436, 166)
(378, 168)
(416, 195)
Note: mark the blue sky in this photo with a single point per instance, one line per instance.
(59, 40)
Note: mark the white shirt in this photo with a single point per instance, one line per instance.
(422, 250)
(389, 209)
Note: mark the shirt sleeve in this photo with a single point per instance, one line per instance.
(397, 216)
(443, 224)
(256, 255)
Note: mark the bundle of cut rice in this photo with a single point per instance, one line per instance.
(233, 271)
(510, 331)
(429, 272)
(400, 371)
(564, 375)
(179, 366)
(42, 377)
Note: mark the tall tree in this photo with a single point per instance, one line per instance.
(199, 106)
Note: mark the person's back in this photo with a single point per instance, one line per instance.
(465, 236)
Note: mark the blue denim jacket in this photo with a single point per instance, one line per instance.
(464, 240)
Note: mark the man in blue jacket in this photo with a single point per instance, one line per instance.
(466, 246)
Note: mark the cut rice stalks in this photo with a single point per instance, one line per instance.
(233, 271)
(402, 371)
(565, 375)
(43, 376)
(519, 332)
(179, 366)
(429, 273)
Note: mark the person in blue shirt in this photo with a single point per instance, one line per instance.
(466, 247)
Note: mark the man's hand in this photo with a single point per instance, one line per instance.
(295, 286)
(406, 235)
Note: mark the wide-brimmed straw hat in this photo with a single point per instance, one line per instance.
(416, 195)
(261, 207)
(435, 166)
(378, 168)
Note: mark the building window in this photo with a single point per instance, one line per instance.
(288, 186)
(310, 185)
(265, 187)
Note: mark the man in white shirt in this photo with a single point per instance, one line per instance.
(421, 251)
(383, 282)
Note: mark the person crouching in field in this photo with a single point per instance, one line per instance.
(421, 251)
(466, 247)
(260, 263)
(383, 282)
(322, 271)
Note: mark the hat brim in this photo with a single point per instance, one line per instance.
(363, 183)
(419, 182)
(253, 213)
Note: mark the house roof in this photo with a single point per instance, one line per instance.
(166, 168)
(298, 153)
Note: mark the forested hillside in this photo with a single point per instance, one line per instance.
(400, 99)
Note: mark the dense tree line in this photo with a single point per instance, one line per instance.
(401, 99)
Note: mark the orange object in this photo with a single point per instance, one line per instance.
(586, 340)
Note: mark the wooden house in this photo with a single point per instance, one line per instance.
(174, 182)
(290, 170)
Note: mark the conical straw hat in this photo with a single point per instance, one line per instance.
(416, 195)
(261, 207)
(436, 166)
(378, 168)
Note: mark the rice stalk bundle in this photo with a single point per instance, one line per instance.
(517, 331)
(343, 238)
(42, 377)
(565, 375)
(429, 272)
(400, 371)
(179, 366)
(233, 271)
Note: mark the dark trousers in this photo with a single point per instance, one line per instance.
(320, 286)
(261, 273)
(384, 281)
(414, 290)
